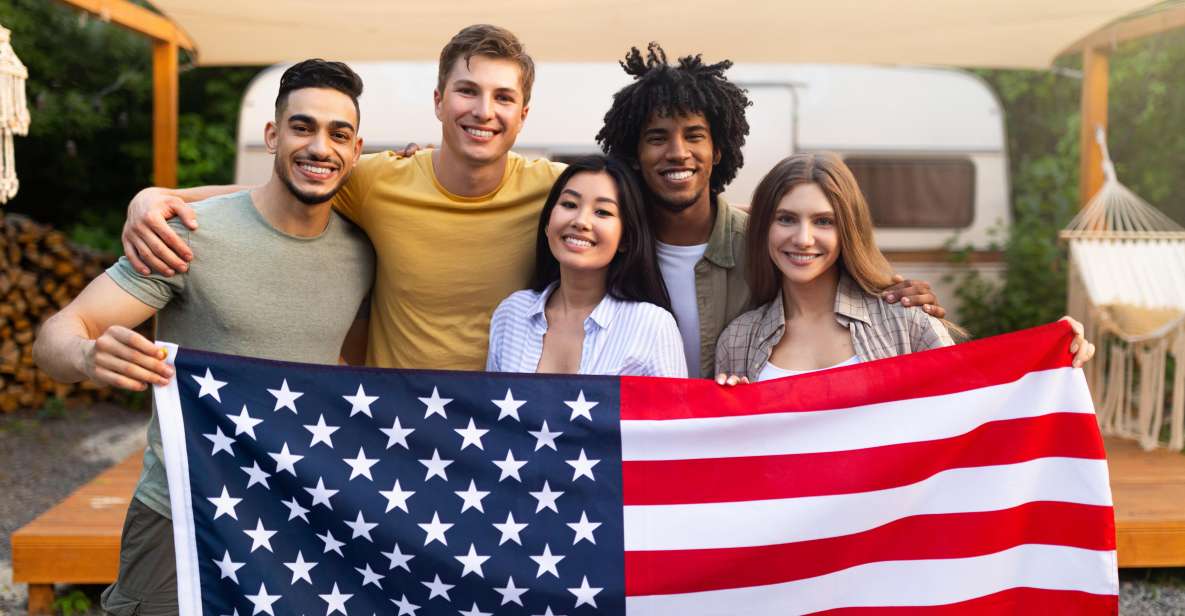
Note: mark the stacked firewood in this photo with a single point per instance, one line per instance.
(40, 271)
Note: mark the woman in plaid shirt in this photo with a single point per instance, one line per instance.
(815, 274)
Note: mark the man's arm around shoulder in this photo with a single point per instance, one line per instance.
(148, 242)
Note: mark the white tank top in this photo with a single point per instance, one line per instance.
(770, 371)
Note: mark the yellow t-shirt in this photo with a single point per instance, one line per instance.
(444, 262)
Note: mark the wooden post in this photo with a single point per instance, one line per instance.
(40, 599)
(164, 113)
(1095, 69)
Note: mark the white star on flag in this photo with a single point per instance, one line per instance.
(547, 562)
(435, 405)
(436, 588)
(260, 537)
(510, 593)
(321, 494)
(510, 467)
(548, 612)
(221, 442)
(301, 568)
(582, 466)
(285, 460)
(584, 529)
(397, 434)
(285, 398)
(262, 602)
(475, 612)
(510, 529)
(360, 466)
(361, 528)
(580, 407)
(508, 406)
(295, 510)
(585, 594)
(360, 402)
(322, 432)
(472, 497)
(397, 497)
(369, 576)
(227, 567)
(545, 437)
(435, 530)
(546, 498)
(472, 562)
(256, 475)
(331, 543)
(436, 466)
(336, 601)
(224, 504)
(406, 608)
(471, 436)
(209, 386)
(244, 423)
(398, 559)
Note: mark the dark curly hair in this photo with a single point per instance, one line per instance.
(689, 87)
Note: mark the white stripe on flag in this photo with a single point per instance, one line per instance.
(902, 583)
(167, 402)
(776, 521)
(904, 421)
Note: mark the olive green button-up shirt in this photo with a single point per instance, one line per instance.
(721, 292)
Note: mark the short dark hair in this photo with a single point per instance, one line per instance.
(491, 42)
(633, 272)
(318, 73)
(689, 87)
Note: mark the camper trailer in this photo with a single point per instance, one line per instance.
(926, 144)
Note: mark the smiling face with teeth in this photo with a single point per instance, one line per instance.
(584, 228)
(315, 142)
(803, 237)
(481, 110)
(676, 155)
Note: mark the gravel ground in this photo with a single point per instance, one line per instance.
(46, 455)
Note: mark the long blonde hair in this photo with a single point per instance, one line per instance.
(858, 254)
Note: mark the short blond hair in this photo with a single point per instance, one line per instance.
(491, 42)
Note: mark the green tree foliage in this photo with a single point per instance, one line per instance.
(89, 147)
(1041, 108)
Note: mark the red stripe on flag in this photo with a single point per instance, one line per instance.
(1011, 601)
(981, 363)
(957, 535)
(712, 480)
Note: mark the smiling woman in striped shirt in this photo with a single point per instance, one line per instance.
(597, 304)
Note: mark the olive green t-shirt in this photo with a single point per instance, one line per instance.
(251, 290)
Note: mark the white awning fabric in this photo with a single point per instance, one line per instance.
(967, 33)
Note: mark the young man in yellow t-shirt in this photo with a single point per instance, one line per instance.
(453, 227)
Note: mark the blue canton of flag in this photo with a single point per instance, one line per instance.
(317, 490)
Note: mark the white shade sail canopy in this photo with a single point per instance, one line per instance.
(969, 33)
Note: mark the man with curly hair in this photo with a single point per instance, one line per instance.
(682, 126)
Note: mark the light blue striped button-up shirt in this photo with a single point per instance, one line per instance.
(620, 337)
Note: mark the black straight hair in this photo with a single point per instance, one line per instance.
(318, 73)
(633, 273)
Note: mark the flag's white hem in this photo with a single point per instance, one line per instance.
(172, 432)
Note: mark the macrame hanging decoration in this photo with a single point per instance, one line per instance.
(14, 112)
(1127, 286)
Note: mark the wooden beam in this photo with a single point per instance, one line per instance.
(1095, 68)
(135, 18)
(1155, 22)
(164, 113)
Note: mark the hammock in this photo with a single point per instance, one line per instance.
(1127, 286)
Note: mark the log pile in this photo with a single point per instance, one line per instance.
(40, 272)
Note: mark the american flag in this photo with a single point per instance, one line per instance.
(964, 480)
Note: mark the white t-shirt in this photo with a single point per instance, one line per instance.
(677, 264)
(769, 371)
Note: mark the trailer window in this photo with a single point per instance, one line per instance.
(917, 192)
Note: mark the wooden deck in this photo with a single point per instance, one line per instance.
(1148, 488)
